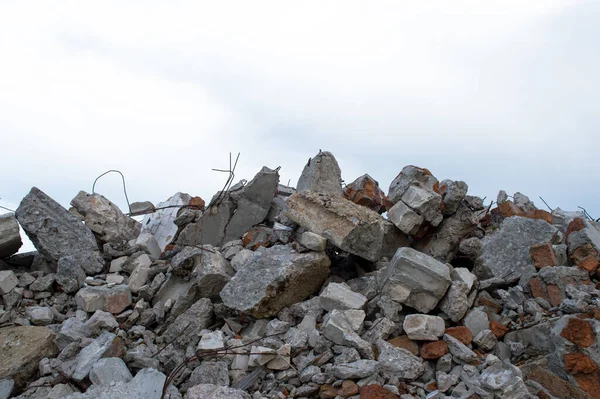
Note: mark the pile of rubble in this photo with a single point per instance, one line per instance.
(322, 291)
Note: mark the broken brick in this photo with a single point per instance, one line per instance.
(542, 255)
(589, 263)
(579, 332)
(575, 225)
(576, 363)
(461, 333)
(434, 350)
(498, 329)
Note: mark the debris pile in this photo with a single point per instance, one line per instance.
(324, 291)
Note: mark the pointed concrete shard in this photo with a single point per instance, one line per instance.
(10, 239)
(348, 226)
(56, 233)
(415, 279)
(322, 174)
(275, 278)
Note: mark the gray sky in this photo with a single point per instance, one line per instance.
(502, 95)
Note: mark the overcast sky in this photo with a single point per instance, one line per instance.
(502, 95)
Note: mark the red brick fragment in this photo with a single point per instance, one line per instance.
(589, 263)
(461, 333)
(434, 350)
(576, 363)
(498, 329)
(542, 255)
(575, 225)
(579, 332)
(376, 392)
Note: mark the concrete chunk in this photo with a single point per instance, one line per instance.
(56, 233)
(341, 297)
(404, 218)
(105, 218)
(415, 279)
(421, 327)
(160, 223)
(8, 281)
(321, 174)
(10, 238)
(275, 278)
(348, 226)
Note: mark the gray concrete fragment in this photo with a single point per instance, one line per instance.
(410, 176)
(57, 233)
(426, 203)
(341, 297)
(443, 243)
(420, 327)
(215, 373)
(113, 300)
(456, 301)
(453, 195)
(505, 252)
(476, 321)
(110, 370)
(338, 329)
(69, 274)
(90, 355)
(8, 281)
(275, 278)
(486, 340)
(6, 387)
(205, 391)
(404, 218)
(523, 202)
(253, 204)
(10, 238)
(39, 315)
(398, 362)
(60, 391)
(147, 242)
(141, 208)
(357, 369)
(206, 266)
(160, 223)
(321, 174)
(105, 219)
(147, 384)
(241, 258)
(348, 226)
(313, 241)
(460, 351)
(198, 317)
(415, 279)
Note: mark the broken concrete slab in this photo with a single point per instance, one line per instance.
(398, 362)
(105, 219)
(426, 203)
(505, 252)
(350, 227)
(415, 279)
(321, 174)
(57, 233)
(275, 278)
(21, 349)
(313, 241)
(10, 238)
